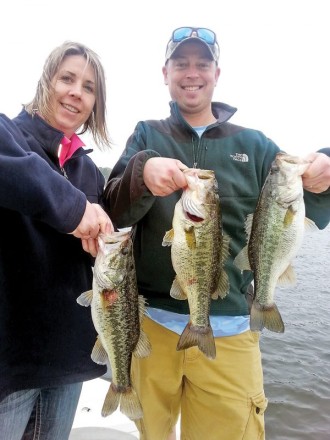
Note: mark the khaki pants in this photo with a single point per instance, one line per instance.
(220, 399)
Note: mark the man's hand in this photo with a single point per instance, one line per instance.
(163, 176)
(316, 178)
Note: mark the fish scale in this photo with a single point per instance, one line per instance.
(117, 313)
(274, 235)
(199, 250)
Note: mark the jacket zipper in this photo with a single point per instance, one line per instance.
(64, 173)
(197, 151)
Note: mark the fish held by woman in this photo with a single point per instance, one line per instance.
(274, 236)
(199, 250)
(117, 312)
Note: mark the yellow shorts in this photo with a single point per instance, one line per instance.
(219, 399)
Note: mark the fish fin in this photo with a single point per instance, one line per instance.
(225, 247)
(85, 299)
(141, 307)
(111, 401)
(287, 277)
(168, 238)
(310, 225)
(222, 287)
(130, 404)
(248, 225)
(262, 317)
(242, 260)
(289, 216)
(143, 346)
(176, 290)
(201, 337)
(99, 355)
(190, 237)
(215, 295)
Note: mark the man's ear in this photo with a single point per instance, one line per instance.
(164, 70)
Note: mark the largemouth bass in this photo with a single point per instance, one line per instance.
(199, 250)
(117, 312)
(275, 234)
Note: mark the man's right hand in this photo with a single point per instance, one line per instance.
(162, 176)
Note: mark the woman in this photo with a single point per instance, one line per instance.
(50, 192)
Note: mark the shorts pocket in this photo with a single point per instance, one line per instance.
(255, 427)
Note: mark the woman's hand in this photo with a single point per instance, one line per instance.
(94, 221)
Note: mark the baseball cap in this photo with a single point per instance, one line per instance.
(183, 34)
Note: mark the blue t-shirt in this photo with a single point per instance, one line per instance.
(221, 325)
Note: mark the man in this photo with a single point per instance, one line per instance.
(220, 399)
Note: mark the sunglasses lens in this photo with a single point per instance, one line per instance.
(181, 33)
(207, 35)
(185, 32)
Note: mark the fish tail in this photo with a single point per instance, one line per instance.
(266, 317)
(111, 401)
(130, 405)
(196, 336)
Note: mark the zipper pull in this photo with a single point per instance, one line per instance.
(64, 173)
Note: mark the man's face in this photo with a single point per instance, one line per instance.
(191, 76)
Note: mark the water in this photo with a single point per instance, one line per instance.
(297, 363)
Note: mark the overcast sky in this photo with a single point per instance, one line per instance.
(274, 60)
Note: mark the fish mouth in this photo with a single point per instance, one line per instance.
(193, 196)
(193, 217)
(114, 237)
(191, 210)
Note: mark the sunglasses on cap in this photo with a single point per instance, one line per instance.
(204, 34)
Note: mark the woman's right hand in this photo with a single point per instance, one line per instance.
(94, 221)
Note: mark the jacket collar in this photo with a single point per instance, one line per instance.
(223, 112)
(48, 136)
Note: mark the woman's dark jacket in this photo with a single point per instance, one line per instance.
(46, 338)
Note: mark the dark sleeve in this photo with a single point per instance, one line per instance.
(126, 197)
(30, 186)
(318, 205)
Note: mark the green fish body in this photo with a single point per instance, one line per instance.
(198, 251)
(117, 312)
(275, 233)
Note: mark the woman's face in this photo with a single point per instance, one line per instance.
(73, 96)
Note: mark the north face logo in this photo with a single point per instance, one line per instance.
(240, 157)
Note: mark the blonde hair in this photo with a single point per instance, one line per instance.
(96, 122)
